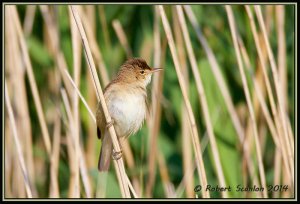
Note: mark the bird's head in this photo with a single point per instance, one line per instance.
(136, 70)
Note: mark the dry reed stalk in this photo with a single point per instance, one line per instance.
(8, 71)
(54, 41)
(32, 82)
(90, 13)
(17, 188)
(187, 154)
(13, 173)
(260, 95)
(78, 155)
(283, 145)
(29, 19)
(281, 53)
(163, 170)
(223, 88)
(155, 109)
(71, 158)
(278, 89)
(257, 77)
(277, 171)
(290, 129)
(248, 98)
(203, 100)
(8, 160)
(76, 45)
(217, 74)
(74, 185)
(146, 48)
(195, 136)
(131, 165)
(91, 36)
(61, 64)
(248, 142)
(269, 17)
(104, 27)
(257, 87)
(262, 61)
(119, 164)
(290, 193)
(80, 95)
(122, 37)
(131, 188)
(17, 142)
(20, 103)
(190, 171)
(91, 157)
(54, 160)
(281, 56)
(187, 157)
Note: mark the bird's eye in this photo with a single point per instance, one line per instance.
(142, 72)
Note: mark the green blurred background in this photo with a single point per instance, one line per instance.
(137, 22)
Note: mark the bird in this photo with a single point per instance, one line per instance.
(126, 100)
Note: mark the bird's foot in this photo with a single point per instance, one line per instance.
(110, 123)
(117, 155)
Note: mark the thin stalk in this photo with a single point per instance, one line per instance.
(104, 27)
(163, 170)
(277, 171)
(195, 136)
(187, 153)
(260, 96)
(54, 184)
(122, 37)
(278, 88)
(80, 95)
(203, 100)
(217, 74)
(276, 138)
(59, 58)
(17, 143)
(119, 164)
(29, 19)
(281, 53)
(248, 98)
(223, 88)
(78, 155)
(283, 146)
(75, 106)
(21, 100)
(32, 81)
(95, 50)
(155, 109)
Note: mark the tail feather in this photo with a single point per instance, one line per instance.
(105, 153)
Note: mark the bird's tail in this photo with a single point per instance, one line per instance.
(105, 153)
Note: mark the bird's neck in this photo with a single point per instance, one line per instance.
(137, 88)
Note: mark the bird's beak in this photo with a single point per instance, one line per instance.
(156, 70)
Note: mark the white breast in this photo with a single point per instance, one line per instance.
(128, 110)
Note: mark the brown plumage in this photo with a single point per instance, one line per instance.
(125, 97)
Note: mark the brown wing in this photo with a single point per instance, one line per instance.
(99, 120)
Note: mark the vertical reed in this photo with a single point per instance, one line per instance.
(196, 143)
(248, 99)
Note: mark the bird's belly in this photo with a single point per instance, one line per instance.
(128, 113)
